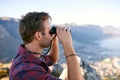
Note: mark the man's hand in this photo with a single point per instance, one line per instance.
(65, 38)
(54, 50)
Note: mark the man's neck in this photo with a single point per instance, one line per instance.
(33, 48)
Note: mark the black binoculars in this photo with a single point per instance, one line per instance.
(53, 30)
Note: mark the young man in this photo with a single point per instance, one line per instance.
(30, 64)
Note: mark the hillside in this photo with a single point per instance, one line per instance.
(10, 38)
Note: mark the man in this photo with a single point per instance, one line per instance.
(30, 64)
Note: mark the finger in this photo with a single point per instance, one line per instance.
(69, 28)
(53, 35)
(58, 30)
(61, 29)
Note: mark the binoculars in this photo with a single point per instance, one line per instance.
(53, 30)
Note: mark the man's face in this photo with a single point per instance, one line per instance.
(46, 37)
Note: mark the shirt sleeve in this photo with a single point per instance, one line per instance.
(48, 60)
(34, 75)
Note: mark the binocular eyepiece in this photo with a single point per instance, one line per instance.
(53, 30)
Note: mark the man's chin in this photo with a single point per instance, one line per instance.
(47, 46)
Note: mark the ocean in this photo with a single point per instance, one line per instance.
(112, 44)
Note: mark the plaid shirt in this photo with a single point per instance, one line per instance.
(26, 66)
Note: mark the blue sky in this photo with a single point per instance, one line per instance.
(98, 12)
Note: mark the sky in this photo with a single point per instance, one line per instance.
(97, 12)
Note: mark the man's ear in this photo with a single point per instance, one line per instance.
(38, 35)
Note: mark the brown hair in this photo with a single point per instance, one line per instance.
(31, 23)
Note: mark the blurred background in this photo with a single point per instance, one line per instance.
(95, 26)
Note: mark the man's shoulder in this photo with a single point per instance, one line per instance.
(24, 68)
(24, 65)
(20, 64)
